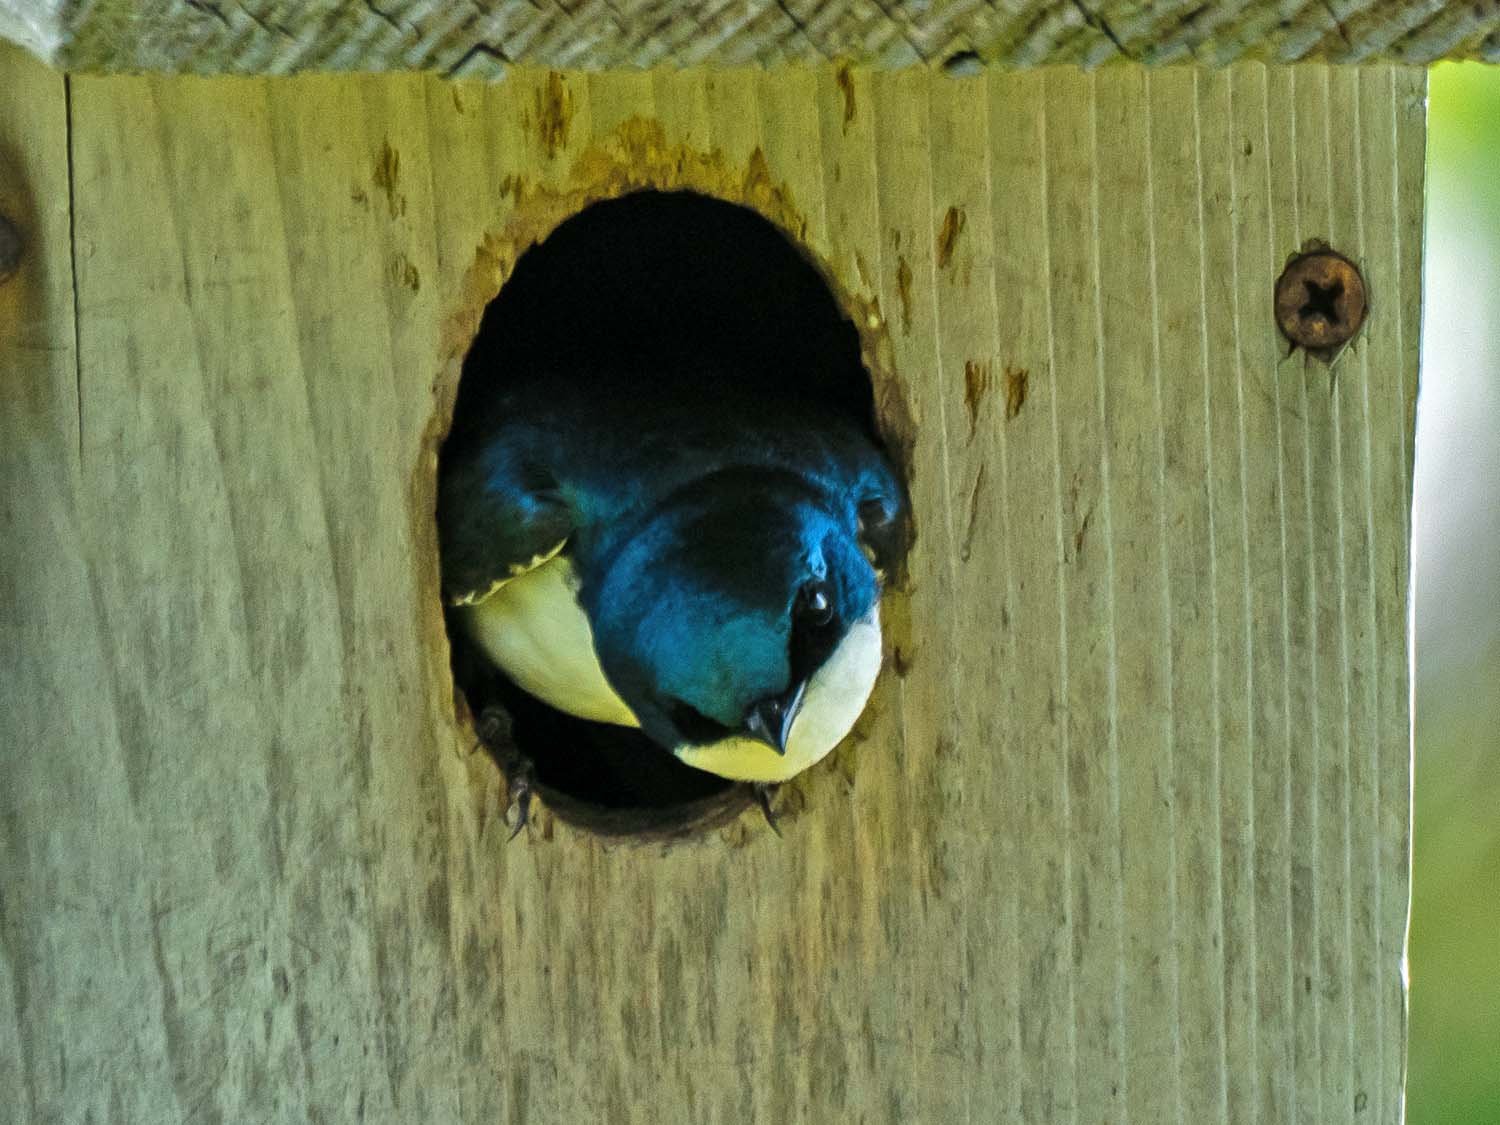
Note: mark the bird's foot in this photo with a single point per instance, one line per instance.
(520, 782)
(765, 792)
(493, 727)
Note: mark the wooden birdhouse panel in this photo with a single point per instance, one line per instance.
(1124, 832)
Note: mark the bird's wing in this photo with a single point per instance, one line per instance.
(499, 516)
(868, 481)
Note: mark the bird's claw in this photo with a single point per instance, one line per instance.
(764, 792)
(519, 781)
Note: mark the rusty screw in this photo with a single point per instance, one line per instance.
(10, 249)
(1320, 300)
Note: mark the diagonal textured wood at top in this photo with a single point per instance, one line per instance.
(480, 38)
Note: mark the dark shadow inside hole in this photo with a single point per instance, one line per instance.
(655, 279)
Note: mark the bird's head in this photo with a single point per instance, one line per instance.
(739, 622)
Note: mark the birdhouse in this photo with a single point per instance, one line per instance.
(1123, 833)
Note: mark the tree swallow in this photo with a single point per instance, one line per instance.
(683, 552)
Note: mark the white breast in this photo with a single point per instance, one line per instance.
(535, 631)
(836, 695)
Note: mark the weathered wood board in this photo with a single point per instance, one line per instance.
(1127, 838)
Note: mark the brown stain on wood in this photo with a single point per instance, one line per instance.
(976, 386)
(948, 234)
(758, 183)
(845, 82)
(974, 494)
(1081, 534)
(896, 614)
(1016, 380)
(1073, 499)
(554, 113)
(387, 177)
(903, 291)
(404, 273)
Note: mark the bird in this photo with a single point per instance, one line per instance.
(692, 551)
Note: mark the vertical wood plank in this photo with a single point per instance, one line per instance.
(1254, 247)
(1142, 653)
(1033, 719)
(1407, 133)
(1299, 607)
(1088, 682)
(1389, 239)
(47, 607)
(903, 173)
(1193, 503)
(972, 364)
(1328, 956)
(1214, 152)
(1356, 520)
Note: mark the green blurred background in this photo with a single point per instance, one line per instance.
(1454, 958)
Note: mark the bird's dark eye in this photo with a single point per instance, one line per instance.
(694, 725)
(814, 606)
(875, 514)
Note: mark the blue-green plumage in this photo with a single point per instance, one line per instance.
(721, 544)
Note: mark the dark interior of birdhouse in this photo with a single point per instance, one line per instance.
(648, 278)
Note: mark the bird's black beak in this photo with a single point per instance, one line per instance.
(770, 721)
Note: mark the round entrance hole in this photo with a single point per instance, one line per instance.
(656, 280)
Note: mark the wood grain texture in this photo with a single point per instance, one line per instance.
(485, 38)
(1125, 838)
